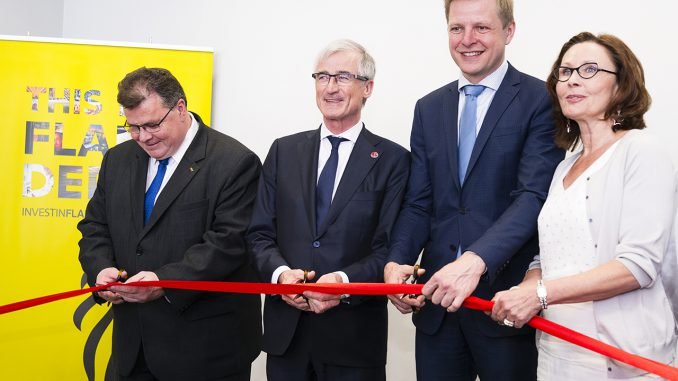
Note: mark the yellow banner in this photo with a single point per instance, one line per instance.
(61, 115)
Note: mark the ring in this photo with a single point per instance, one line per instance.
(508, 323)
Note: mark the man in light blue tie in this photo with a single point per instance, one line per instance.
(326, 203)
(173, 203)
(482, 160)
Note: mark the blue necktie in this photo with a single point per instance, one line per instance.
(153, 190)
(325, 187)
(467, 127)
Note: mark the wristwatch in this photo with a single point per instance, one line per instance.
(541, 294)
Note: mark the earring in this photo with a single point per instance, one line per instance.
(568, 126)
(617, 122)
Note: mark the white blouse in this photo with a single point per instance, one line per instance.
(567, 248)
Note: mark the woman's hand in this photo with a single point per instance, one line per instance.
(517, 305)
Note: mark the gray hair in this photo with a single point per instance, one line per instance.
(366, 66)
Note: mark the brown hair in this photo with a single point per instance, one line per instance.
(155, 80)
(626, 107)
(505, 11)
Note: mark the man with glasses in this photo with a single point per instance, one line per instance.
(173, 204)
(326, 203)
(483, 156)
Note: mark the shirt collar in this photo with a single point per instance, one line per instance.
(492, 81)
(188, 139)
(350, 134)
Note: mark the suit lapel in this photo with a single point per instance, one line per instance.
(359, 164)
(138, 174)
(502, 99)
(450, 112)
(307, 154)
(186, 170)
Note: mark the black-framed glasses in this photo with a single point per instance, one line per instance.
(586, 71)
(342, 78)
(148, 127)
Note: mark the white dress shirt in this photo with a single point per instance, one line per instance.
(174, 159)
(345, 149)
(491, 82)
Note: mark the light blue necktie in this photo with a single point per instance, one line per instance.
(325, 187)
(467, 127)
(153, 190)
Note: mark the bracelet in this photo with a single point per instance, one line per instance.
(541, 294)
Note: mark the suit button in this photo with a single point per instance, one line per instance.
(139, 253)
(316, 244)
(453, 248)
(462, 210)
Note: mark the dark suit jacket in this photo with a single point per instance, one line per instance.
(495, 213)
(352, 239)
(195, 232)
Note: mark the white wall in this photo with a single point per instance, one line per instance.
(265, 50)
(42, 18)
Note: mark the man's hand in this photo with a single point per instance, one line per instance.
(320, 302)
(297, 301)
(134, 294)
(453, 283)
(398, 274)
(106, 276)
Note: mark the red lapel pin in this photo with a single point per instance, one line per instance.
(374, 155)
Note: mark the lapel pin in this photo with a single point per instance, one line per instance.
(190, 169)
(374, 154)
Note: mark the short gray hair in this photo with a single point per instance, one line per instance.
(366, 66)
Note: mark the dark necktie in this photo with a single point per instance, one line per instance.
(153, 190)
(323, 191)
(467, 127)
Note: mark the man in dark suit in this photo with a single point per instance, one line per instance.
(482, 161)
(173, 204)
(326, 203)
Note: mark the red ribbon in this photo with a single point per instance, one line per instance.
(557, 330)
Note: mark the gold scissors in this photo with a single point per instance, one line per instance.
(120, 276)
(413, 280)
(303, 282)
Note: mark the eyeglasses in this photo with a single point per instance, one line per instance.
(343, 78)
(585, 71)
(148, 127)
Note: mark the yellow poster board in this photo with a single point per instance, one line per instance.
(61, 115)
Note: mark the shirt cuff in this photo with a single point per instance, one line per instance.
(277, 272)
(344, 278)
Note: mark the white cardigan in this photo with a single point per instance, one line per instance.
(631, 206)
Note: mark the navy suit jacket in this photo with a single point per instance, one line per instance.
(195, 232)
(494, 213)
(353, 239)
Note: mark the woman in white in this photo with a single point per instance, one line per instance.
(606, 228)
